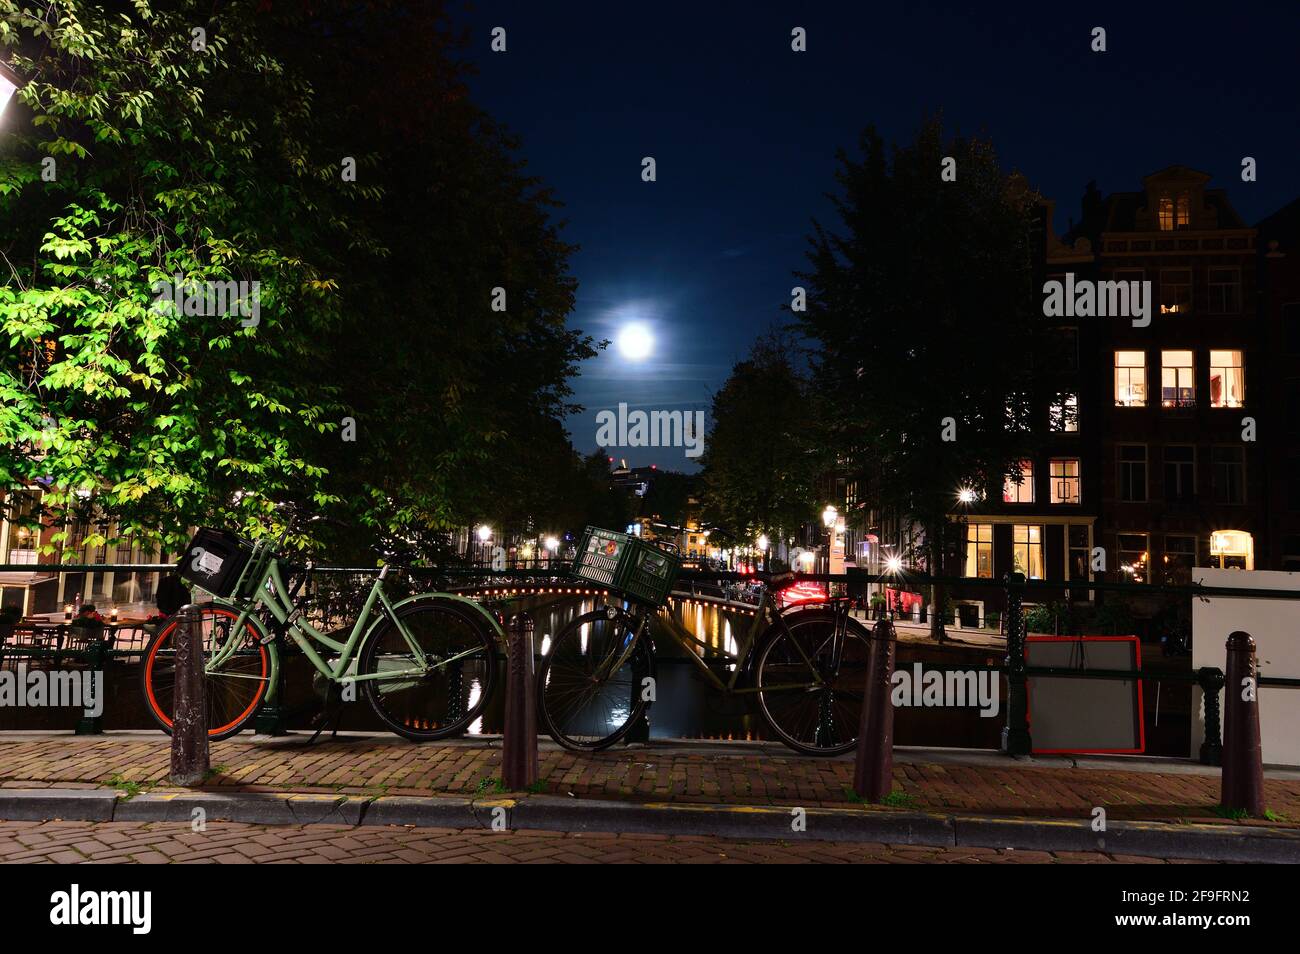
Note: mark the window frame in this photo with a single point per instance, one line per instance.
(1121, 463)
(1128, 370)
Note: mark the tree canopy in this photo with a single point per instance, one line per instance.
(921, 309)
(762, 459)
(330, 154)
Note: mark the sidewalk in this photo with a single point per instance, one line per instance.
(680, 788)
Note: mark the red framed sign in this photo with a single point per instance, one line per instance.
(1085, 716)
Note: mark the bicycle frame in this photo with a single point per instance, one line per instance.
(764, 618)
(270, 592)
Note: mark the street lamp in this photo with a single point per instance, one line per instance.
(830, 516)
(893, 564)
(484, 533)
(10, 83)
(966, 495)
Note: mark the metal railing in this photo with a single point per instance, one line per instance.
(117, 642)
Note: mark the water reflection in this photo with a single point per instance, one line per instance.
(686, 706)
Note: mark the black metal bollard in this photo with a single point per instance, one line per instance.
(873, 767)
(1243, 756)
(519, 736)
(96, 656)
(189, 717)
(1015, 735)
(1211, 681)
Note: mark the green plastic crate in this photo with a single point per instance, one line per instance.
(626, 564)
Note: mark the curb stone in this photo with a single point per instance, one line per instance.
(42, 804)
(1155, 839)
(731, 821)
(252, 808)
(432, 812)
(1204, 842)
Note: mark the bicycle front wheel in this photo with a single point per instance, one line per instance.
(810, 683)
(590, 687)
(232, 692)
(443, 699)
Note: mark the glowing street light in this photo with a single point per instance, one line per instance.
(763, 542)
(893, 564)
(552, 544)
(10, 83)
(830, 516)
(484, 533)
(966, 495)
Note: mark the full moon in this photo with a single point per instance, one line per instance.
(635, 342)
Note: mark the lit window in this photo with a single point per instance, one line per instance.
(1027, 550)
(1227, 379)
(1175, 291)
(1232, 549)
(1177, 379)
(1022, 491)
(1063, 413)
(1130, 378)
(24, 508)
(1133, 556)
(979, 550)
(1065, 480)
(1175, 213)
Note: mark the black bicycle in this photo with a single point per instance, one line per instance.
(804, 663)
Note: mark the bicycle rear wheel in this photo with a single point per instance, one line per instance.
(810, 689)
(587, 701)
(445, 700)
(232, 693)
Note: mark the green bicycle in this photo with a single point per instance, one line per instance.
(427, 663)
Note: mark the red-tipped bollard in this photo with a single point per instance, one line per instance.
(189, 714)
(519, 737)
(1243, 757)
(873, 769)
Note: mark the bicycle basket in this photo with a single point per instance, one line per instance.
(627, 564)
(215, 560)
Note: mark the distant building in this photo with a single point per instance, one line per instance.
(1171, 444)
(40, 591)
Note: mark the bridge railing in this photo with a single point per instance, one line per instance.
(57, 642)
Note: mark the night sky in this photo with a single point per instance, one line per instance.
(744, 132)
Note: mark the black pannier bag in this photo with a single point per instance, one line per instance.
(214, 561)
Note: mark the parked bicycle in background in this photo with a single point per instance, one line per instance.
(805, 663)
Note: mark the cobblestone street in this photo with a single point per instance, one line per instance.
(375, 765)
(230, 843)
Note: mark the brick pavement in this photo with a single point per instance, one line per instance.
(383, 765)
(231, 843)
